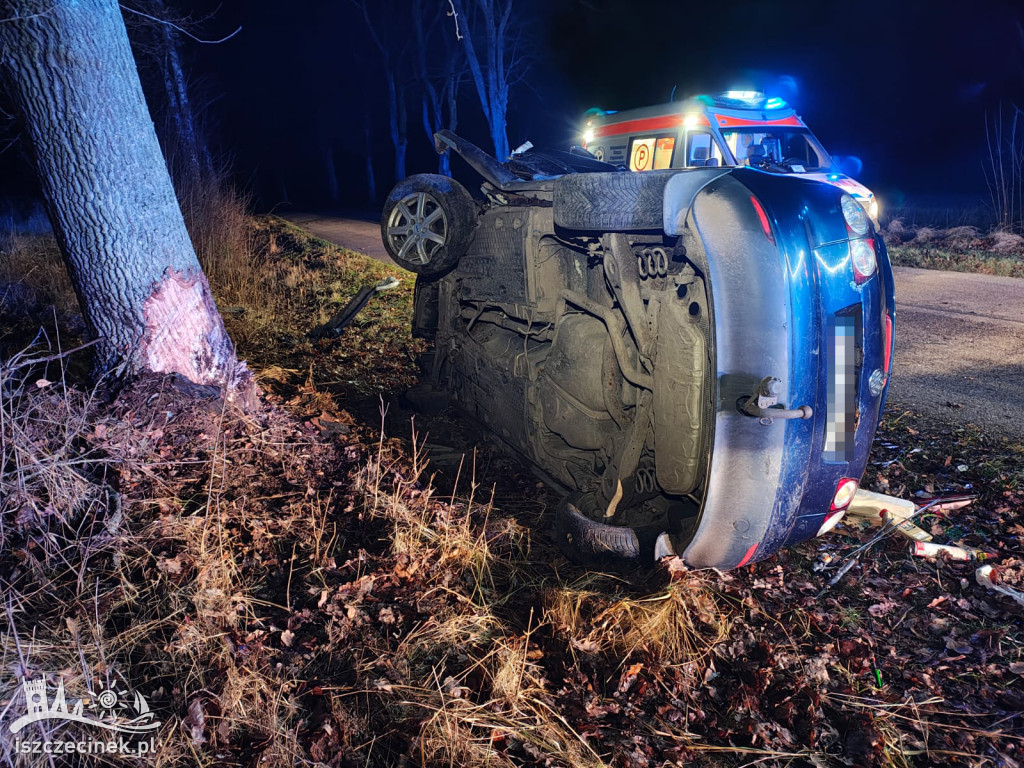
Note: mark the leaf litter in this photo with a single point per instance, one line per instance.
(307, 588)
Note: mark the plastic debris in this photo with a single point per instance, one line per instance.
(930, 549)
(906, 527)
(879, 509)
(988, 577)
(344, 318)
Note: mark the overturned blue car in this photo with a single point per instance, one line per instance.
(697, 358)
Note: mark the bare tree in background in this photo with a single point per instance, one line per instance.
(440, 65)
(156, 31)
(1004, 172)
(371, 177)
(493, 37)
(69, 67)
(385, 33)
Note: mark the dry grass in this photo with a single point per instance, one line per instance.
(679, 624)
(1007, 241)
(926, 235)
(135, 587)
(959, 249)
(59, 519)
(963, 237)
(32, 275)
(146, 551)
(449, 535)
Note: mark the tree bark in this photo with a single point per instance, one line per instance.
(110, 199)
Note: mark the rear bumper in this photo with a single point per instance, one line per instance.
(776, 308)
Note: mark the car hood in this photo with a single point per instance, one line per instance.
(845, 183)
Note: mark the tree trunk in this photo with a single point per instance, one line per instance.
(397, 123)
(109, 195)
(333, 187)
(486, 42)
(199, 164)
(371, 178)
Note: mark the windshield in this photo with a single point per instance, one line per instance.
(793, 149)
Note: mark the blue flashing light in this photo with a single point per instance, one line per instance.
(775, 103)
(833, 177)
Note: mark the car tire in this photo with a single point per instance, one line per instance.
(588, 542)
(427, 223)
(611, 201)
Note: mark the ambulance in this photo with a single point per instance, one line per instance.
(733, 128)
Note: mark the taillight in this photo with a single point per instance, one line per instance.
(862, 254)
(846, 489)
(887, 359)
(831, 521)
(766, 226)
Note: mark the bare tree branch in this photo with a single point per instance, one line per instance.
(179, 28)
(455, 15)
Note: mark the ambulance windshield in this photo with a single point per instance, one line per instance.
(793, 150)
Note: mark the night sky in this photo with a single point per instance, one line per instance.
(905, 86)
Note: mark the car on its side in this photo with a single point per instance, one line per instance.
(733, 128)
(698, 358)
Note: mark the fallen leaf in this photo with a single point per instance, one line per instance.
(195, 721)
(586, 645)
(878, 610)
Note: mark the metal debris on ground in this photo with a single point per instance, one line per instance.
(344, 318)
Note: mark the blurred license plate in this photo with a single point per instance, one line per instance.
(844, 345)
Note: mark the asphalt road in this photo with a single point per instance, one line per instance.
(959, 337)
(960, 348)
(355, 232)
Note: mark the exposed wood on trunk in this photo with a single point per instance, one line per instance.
(110, 199)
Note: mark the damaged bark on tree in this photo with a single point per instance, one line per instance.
(142, 292)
